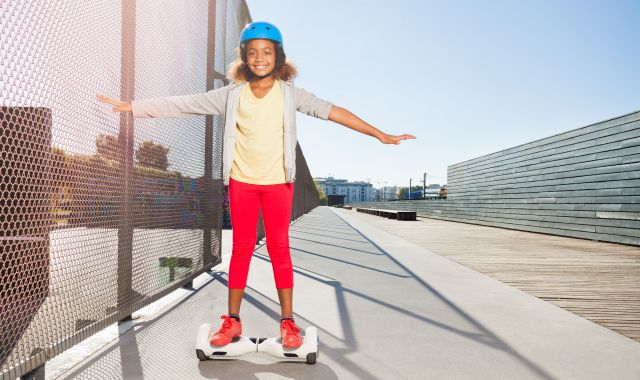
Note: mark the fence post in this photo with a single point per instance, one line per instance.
(208, 196)
(125, 138)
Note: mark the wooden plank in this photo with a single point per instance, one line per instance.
(582, 147)
(620, 144)
(548, 180)
(537, 144)
(528, 188)
(558, 170)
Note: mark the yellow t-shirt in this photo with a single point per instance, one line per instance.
(259, 150)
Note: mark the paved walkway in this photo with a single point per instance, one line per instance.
(596, 280)
(385, 308)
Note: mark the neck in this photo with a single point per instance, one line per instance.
(263, 82)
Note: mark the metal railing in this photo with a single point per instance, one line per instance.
(99, 217)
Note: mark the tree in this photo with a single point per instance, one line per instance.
(153, 155)
(108, 146)
(322, 195)
(403, 192)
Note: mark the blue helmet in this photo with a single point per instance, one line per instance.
(260, 29)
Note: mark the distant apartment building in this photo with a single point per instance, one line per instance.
(353, 191)
(386, 193)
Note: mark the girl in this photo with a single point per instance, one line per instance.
(258, 158)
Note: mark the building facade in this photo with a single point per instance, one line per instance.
(386, 193)
(358, 191)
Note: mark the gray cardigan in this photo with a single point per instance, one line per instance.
(224, 101)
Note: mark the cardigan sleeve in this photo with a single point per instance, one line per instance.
(209, 103)
(308, 103)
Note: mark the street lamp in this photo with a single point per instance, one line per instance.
(424, 185)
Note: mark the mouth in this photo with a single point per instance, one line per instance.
(260, 67)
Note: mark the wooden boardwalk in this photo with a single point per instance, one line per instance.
(595, 280)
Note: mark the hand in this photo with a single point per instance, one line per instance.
(118, 105)
(391, 139)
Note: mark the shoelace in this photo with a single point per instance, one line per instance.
(226, 324)
(289, 325)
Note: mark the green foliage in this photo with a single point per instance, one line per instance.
(323, 196)
(57, 152)
(79, 166)
(146, 171)
(153, 155)
(108, 146)
(148, 154)
(402, 192)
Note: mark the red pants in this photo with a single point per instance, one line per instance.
(245, 201)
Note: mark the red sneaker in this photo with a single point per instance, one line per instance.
(290, 334)
(229, 330)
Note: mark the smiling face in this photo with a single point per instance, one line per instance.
(261, 57)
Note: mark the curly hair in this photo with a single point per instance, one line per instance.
(239, 70)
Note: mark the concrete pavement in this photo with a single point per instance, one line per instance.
(384, 307)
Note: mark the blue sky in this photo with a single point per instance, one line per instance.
(467, 78)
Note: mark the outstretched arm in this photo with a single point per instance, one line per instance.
(345, 117)
(118, 105)
(210, 103)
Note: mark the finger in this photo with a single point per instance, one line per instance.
(108, 100)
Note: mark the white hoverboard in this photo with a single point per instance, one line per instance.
(309, 351)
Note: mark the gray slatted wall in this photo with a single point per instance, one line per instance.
(582, 183)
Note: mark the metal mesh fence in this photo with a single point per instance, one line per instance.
(100, 218)
(306, 195)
